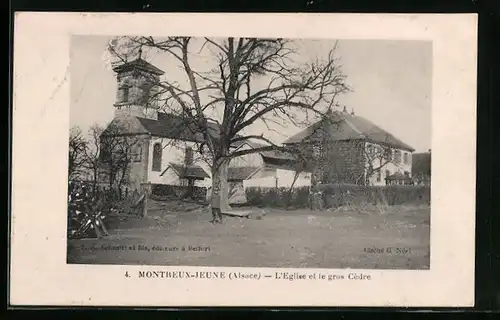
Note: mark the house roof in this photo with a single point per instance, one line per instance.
(140, 64)
(187, 172)
(277, 154)
(272, 154)
(240, 173)
(345, 126)
(421, 163)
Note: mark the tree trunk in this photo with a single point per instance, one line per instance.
(111, 178)
(290, 190)
(220, 186)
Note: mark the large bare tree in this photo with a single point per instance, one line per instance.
(108, 154)
(249, 81)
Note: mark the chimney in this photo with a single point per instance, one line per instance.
(352, 112)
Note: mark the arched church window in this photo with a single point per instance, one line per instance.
(157, 153)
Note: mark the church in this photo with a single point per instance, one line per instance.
(165, 147)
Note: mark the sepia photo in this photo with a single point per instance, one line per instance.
(157, 162)
(250, 152)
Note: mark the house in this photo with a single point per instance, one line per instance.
(347, 148)
(163, 146)
(421, 168)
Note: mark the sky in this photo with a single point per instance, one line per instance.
(391, 83)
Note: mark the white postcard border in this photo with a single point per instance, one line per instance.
(39, 273)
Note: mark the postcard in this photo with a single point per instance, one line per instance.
(171, 160)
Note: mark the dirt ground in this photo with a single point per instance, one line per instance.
(360, 238)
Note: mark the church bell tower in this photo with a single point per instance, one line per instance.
(137, 89)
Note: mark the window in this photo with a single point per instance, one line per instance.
(405, 158)
(379, 176)
(157, 153)
(188, 156)
(407, 174)
(125, 91)
(387, 173)
(388, 154)
(397, 156)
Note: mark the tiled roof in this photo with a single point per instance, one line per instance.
(138, 64)
(240, 173)
(188, 172)
(345, 126)
(276, 154)
(176, 127)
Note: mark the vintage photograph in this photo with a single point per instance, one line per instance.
(249, 152)
(286, 158)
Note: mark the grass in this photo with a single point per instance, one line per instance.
(344, 238)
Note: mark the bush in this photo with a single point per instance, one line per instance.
(167, 191)
(278, 197)
(336, 195)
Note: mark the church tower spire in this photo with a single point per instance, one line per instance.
(137, 87)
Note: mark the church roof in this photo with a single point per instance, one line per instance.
(176, 127)
(346, 126)
(140, 64)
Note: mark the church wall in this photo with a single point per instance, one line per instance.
(138, 168)
(140, 87)
(173, 151)
(136, 94)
